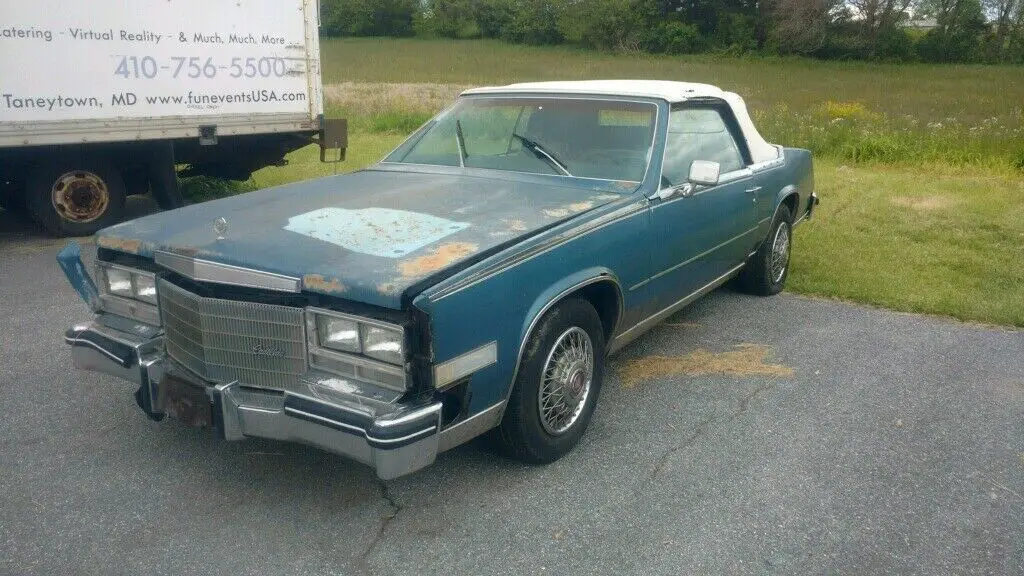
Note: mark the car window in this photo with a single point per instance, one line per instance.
(590, 138)
(698, 134)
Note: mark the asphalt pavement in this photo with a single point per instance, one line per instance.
(782, 435)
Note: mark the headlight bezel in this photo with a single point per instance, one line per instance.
(130, 305)
(359, 365)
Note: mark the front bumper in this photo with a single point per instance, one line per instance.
(394, 439)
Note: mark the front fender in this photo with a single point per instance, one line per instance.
(559, 290)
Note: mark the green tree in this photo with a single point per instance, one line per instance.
(957, 36)
(447, 18)
(368, 17)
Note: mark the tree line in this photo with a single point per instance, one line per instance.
(890, 30)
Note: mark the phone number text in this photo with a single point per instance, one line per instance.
(148, 67)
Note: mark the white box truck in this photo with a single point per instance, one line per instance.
(101, 99)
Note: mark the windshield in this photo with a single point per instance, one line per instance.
(606, 139)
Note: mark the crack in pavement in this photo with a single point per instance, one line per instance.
(705, 425)
(395, 508)
(702, 428)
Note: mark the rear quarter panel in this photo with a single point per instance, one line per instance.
(778, 181)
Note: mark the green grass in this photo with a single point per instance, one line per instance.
(851, 111)
(920, 168)
(917, 239)
(969, 93)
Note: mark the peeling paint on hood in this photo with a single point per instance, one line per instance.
(369, 236)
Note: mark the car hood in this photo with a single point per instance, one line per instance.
(375, 236)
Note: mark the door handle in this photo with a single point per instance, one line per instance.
(754, 190)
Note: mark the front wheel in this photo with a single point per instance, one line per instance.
(766, 272)
(554, 395)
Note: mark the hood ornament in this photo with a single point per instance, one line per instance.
(220, 227)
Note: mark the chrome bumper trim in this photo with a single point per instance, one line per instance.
(394, 439)
(811, 203)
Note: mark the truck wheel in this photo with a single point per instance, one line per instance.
(72, 196)
(766, 272)
(556, 390)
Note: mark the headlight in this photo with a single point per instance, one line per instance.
(145, 288)
(338, 333)
(118, 282)
(382, 343)
(128, 292)
(366, 349)
(128, 283)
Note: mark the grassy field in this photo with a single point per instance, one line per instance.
(920, 168)
(853, 111)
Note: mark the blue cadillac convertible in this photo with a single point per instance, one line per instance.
(473, 281)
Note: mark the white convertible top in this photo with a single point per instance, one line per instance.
(671, 92)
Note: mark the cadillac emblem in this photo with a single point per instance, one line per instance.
(220, 227)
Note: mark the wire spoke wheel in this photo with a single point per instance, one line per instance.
(780, 253)
(566, 381)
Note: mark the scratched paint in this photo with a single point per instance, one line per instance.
(383, 232)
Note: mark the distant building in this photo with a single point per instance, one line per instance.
(923, 24)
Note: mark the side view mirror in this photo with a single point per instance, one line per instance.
(702, 173)
(705, 172)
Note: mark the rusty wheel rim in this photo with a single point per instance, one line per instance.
(80, 196)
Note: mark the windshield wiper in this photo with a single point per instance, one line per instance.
(543, 154)
(461, 141)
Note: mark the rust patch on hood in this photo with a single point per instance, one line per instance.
(574, 208)
(128, 245)
(318, 283)
(386, 288)
(516, 225)
(746, 360)
(439, 258)
(556, 212)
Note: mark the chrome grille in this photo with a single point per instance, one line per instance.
(225, 340)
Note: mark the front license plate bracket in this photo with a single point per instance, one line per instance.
(186, 402)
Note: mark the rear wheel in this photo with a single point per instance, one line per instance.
(556, 390)
(75, 196)
(766, 272)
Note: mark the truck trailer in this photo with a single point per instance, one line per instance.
(105, 99)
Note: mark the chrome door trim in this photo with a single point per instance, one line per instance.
(471, 427)
(727, 178)
(218, 273)
(769, 164)
(644, 325)
(540, 248)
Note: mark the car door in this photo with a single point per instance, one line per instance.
(700, 236)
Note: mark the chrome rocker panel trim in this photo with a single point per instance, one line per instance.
(393, 439)
(639, 328)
